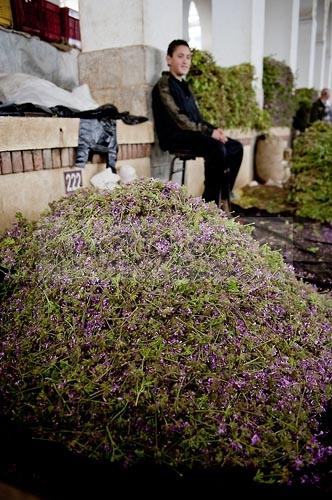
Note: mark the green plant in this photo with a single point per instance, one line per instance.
(278, 86)
(311, 181)
(304, 98)
(226, 96)
(270, 198)
(144, 324)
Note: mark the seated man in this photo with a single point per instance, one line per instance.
(179, 126)
(321, 109)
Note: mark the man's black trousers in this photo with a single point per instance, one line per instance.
(222, 161)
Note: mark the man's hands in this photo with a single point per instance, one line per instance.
(219, 135)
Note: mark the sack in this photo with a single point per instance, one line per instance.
(269, 158)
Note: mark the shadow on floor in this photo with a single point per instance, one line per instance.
(50, 472)
(304, 243)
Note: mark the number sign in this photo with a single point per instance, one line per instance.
(73, 180)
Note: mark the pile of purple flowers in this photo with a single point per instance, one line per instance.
(144, 324)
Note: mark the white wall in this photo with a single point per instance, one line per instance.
(238, 35)
(163, 22)
(112, 24)
(257, 45)
(321, 43)
(327, 81)
(306, 45)
(204, 8)
(231, 33)
(281, 30)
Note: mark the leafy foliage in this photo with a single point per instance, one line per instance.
(225, 95)
(270, 198)
(311, 183)
(278, 85)
(304, 97)
(143, 324)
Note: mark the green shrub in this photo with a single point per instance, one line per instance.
(278, 86)
(143, 324)
(304, 98)
(311, 181)
(225, 95)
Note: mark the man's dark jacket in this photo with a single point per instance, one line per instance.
(175, 110)
(318, 111)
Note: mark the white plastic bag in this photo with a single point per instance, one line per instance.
(105, 180)
(20, 88)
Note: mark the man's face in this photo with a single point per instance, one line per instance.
(180, 61)
(325, 95)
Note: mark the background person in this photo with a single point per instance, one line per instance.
(321, 108)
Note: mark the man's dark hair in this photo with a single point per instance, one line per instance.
(176, 43)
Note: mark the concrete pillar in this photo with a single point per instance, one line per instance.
(123, 48)
(321, 38)
(185, 18)
(281, 31)
(307, 40)
(328, 54)
(238, 35)
(204, 9)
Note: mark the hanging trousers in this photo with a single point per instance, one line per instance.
(222, 161)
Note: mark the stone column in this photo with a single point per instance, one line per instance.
(238, 35)
(123, 48)
(281, 31)
(204, 9)
(321, 38)
(306, 45)
(328, 54)
(185, 18)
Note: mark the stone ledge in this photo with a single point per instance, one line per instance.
(30, 133)
(27, 133)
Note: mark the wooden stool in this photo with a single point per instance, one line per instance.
(184, 156)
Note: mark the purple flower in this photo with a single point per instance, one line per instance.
(255, 439)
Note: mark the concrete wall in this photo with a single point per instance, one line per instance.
(31, 192)
(238, 35)
(281, 30)
(115, 24)
(321, 43)
(307, 43)
(123, 76)
(123, 49)
(327, 82)
(36, 152)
